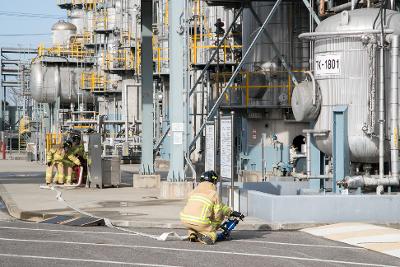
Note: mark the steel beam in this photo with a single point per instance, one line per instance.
(236, 72)
(313, 14)
(147, 159)
(176, 89)
(340, 146)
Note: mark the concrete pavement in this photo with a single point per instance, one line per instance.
(378, 238)
(32, 244)
(124, 206)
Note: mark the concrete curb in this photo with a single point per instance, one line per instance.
(19, 214)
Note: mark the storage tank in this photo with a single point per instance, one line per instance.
(47, 83)
(62, 32)
(290, 19)
(345, 75)
(77, 17)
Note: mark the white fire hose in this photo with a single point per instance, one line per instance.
(168, 236)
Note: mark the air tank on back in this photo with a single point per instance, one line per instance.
(345, 73)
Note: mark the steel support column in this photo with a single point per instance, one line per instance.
(315, 164)
(147, 87)
(340, 146)
(176, 88)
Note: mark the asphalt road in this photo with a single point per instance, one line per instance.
(32, 244)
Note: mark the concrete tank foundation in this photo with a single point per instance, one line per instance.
(146, 181)
(175, 190)
(284, 212)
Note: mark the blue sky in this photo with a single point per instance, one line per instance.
(12, 23)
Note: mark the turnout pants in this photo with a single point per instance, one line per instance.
(60, 173)
(205, 229)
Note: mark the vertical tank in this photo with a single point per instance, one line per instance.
(269, 82)
(77, 18)
(290, 19)
(62, 32)
(345, 74)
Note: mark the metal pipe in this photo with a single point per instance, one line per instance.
(353, 4)
(311, 10)
(233, 160)
(381, 110)
(235, 73)
(310, 35)
(308, 153)
(126, 112)
(192, 169)
(309, 133)
(322, 7)
(340, 8)
(393, 4)
(370, 181)
(263, 138)
(394, 108)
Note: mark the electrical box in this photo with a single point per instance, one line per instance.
(111, 172)
(103, 171)
(92, 143)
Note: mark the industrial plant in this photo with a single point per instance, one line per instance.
(293, 103)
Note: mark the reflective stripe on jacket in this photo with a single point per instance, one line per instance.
(203, 206)
(55, 155)
(71, 159)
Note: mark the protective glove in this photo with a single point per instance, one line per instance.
(237, 215)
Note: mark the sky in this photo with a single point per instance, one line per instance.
(27, 19)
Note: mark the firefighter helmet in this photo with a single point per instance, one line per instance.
(209, 176)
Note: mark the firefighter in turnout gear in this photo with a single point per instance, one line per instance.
(70, 160)
(203, 213)
(55, 159)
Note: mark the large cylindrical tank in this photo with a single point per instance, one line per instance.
(290, 19)
(62, 32)
(44, 83)
(77, 17)
(345, 74)
(48, 83)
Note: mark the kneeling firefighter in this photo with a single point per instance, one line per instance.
(55, 158)
(70, 160)
(203, 213)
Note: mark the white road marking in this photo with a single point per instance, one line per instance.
(64, 231)
(114, 233)
(383, 238)
(362, 235)
(208, 252)
(341, 230)
(83, 260)
(297, 244)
